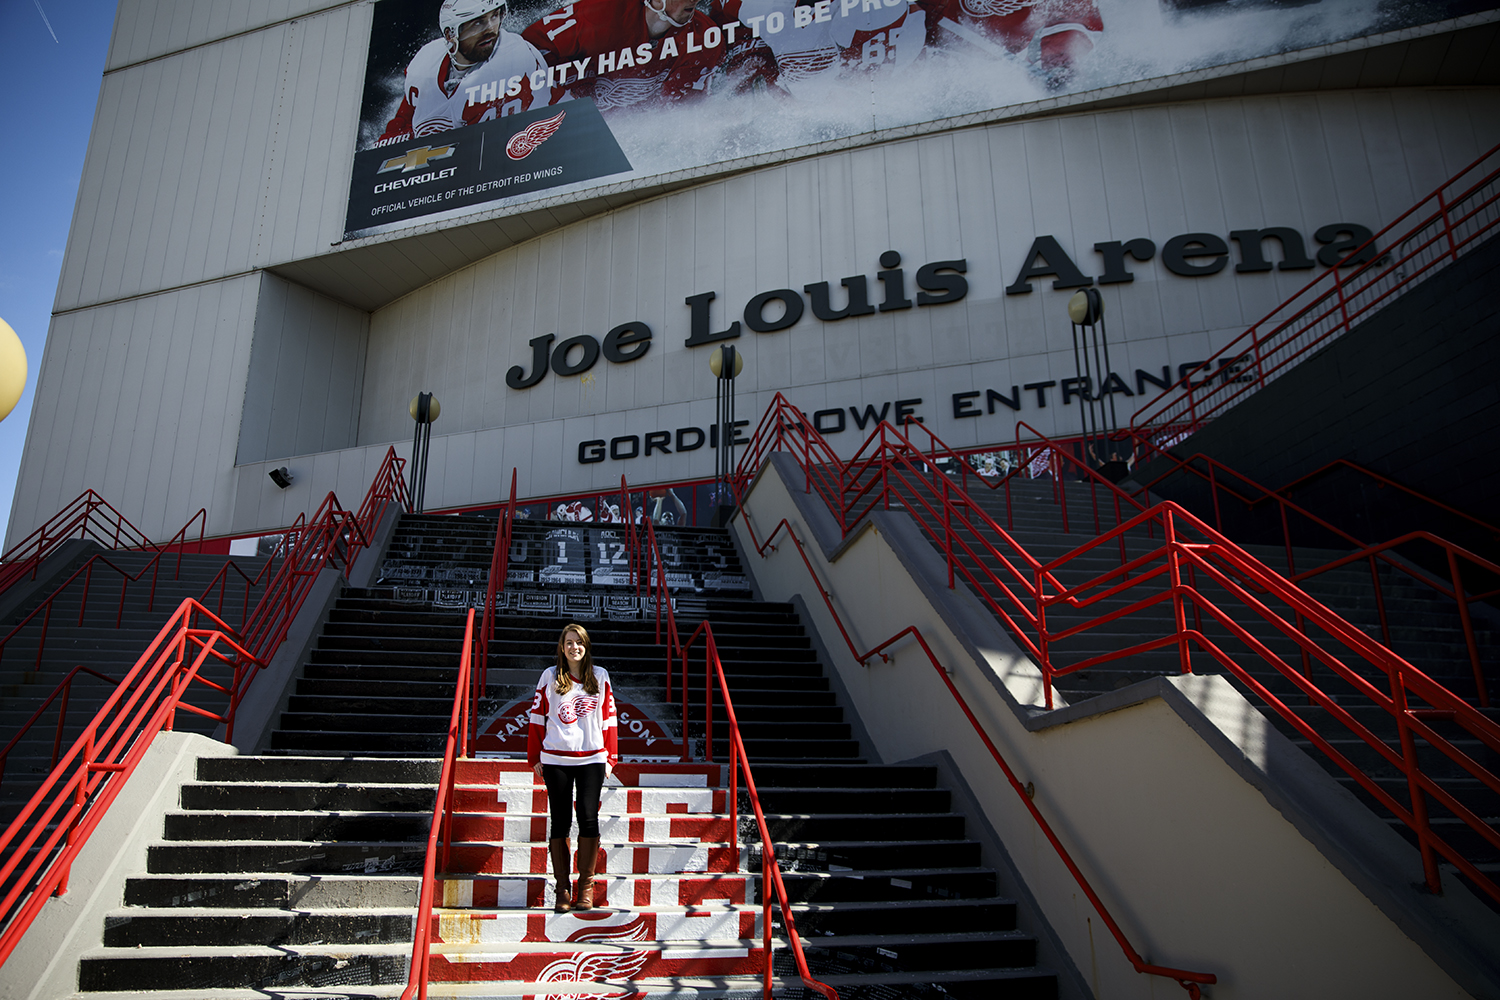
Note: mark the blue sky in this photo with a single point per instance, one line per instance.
(53, 87)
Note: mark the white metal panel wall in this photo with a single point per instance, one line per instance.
(307, 363)
(217, 159)
(149, 29)
(140, 401)
(981, 194)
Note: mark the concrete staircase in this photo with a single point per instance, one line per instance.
(96, 643)
(1424, 630)
(26, 679)
(297, 871)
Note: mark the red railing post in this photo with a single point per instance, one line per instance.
(1174, 578)
(1468, 626)
(1447, 225)
(765, 917)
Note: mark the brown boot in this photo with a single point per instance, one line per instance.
(562, 860)
(588, 856)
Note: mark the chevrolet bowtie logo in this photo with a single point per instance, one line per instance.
(415, 159)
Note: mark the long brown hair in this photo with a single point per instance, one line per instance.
(564, 676)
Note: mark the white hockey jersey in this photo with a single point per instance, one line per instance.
(439, 97)
(572, 728)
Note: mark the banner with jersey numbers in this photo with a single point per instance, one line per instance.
(472, 104)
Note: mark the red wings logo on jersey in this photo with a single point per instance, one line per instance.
(525, 142)
(570, 712)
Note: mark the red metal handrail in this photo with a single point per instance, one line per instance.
(739, 761)
(332, 537)
(1188, 980)
(87, 516)
(55, 824)
(1427, 237)
(1219, 478)
(456, 746)
(63, 690)
(494, 587)
(949, 516)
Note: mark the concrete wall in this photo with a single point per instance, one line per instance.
(307, 367)
(1167, 797)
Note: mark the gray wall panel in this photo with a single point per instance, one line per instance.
(305, 374)
(140, 401)
(220, 158)
(149, 29)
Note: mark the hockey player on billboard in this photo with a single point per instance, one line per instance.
(628, 53)
(1052, 36)
(474, 72)
(812, 48)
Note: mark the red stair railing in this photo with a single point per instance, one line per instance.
(333, 537)
(890, 468)
(88, 516)
(1222, 481)
(1188, 980)
(55, 824)
(456, 746)
(1424, 239)
(739, 763)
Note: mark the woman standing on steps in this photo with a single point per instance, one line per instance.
(571, 744)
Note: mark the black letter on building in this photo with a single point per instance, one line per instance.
(961, 405)
(590, 355)
(683, 432)
(1179, 250)
(658, 439)
(1041, 392)
(818, 421)
(991, 397)
(904, 412)
(627, 342)
(939, 288)
(1252, 252)
(700, 333)
(859, 299)
(870, 417)
(1054, 260)
(1142, 377)
(894, 281)
(756, 306)
(1342, 239)
(517, 378)
(1114, 253)
(590, 451)
(615, 444)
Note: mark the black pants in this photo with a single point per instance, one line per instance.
(560, 779)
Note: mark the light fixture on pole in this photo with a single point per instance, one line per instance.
(725, 363)
(424, 409)
(1091, 368)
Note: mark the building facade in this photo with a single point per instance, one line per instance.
(263, 268)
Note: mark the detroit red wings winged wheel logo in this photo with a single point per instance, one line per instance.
(597, 967)
(570, 712)
(525, 142)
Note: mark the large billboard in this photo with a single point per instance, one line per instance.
(470, 104)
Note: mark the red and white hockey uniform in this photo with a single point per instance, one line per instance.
(603, 49)
(810, 39)
(439, 96)
(1052, 35)
(575, 511)
(573, 728)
